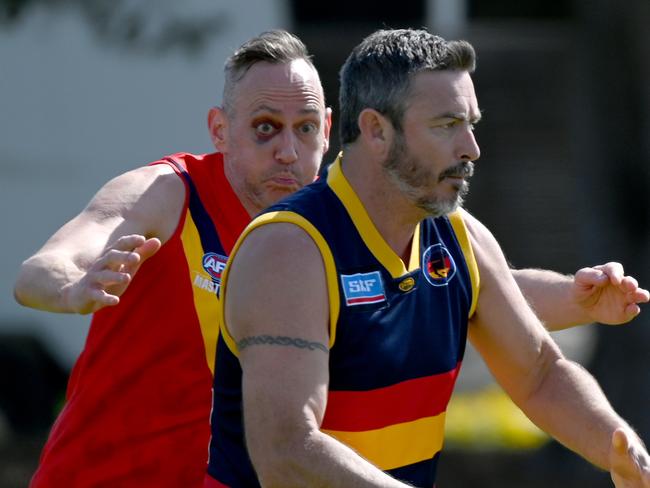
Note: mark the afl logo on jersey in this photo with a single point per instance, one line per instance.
(438, 265)
(214, 264)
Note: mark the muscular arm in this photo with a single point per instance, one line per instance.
(277, 288)
(88, 263)
(596, 294)
(557, 394)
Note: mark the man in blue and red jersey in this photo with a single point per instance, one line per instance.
(147, 254)
(337, 357)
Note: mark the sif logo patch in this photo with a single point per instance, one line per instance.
(214, 264)
(438, 265)
(363, 288)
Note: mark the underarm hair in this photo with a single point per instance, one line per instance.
(262, 340)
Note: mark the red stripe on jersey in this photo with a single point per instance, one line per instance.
(360, 300)
(356, 411)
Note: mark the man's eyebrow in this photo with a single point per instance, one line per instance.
(264, 108)
(460, 116)
(274, 111)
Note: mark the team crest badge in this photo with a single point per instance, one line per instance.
(438, 265)
(214, 264)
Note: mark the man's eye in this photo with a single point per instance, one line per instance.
(308, 128)
(265, 128)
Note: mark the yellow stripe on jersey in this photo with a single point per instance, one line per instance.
(460, 230)
(206, 303)
(397, 445)
(369, 233)
(328, 260)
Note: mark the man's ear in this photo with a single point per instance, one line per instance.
(327, 129)
(376, 132)
(218, 127)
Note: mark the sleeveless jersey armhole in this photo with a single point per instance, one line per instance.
(328, 261)
(183, 174)
(462, 235)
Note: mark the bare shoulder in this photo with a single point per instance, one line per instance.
(150, 197)
(138, 184)
(279, 268)
(286, 243)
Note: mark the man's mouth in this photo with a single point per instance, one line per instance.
(287, 181)
(461, 171)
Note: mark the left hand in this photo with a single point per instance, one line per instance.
(608, 296)
(629, 461)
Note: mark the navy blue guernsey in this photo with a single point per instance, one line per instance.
(397, 336)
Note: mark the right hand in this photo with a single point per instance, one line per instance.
(108, 277)
(629, 461)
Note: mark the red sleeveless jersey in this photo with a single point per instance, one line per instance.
(138, 401)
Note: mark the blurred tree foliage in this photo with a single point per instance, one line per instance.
(152, 26)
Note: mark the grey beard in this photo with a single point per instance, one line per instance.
(436, 207)
(433, 207)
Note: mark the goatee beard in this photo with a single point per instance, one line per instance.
(410, 179)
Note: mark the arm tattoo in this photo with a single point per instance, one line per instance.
(280, 341)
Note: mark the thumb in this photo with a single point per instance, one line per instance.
(588, 277)
(148, 249)
(620, 442)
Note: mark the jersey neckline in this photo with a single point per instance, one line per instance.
(372, 238)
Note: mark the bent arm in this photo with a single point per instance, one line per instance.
(595, 294)
(276, 309)
(557, 394)
(88, 263)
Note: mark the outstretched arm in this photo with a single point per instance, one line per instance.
(90, 261)
(283, 346)
(557, 394)
(595, 294)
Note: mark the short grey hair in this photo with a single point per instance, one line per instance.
(274, 46)
(378, 73)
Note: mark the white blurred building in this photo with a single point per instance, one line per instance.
(76, 110)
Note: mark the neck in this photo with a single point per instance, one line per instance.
(394, 216)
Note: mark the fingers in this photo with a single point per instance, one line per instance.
(631, 311)
(634, 294)
(128, 243)
(612, 273)
(612, 270)
(115, 260)
(107, 277)
(628, 284)
(127, 253)
(101, 299)
(588, 277)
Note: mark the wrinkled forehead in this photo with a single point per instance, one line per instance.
(282, 87)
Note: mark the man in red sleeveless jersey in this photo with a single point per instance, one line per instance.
(146, 255)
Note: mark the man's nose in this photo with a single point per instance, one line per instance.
(468, 149)
(286, 151)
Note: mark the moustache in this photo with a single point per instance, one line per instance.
(464, 169)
